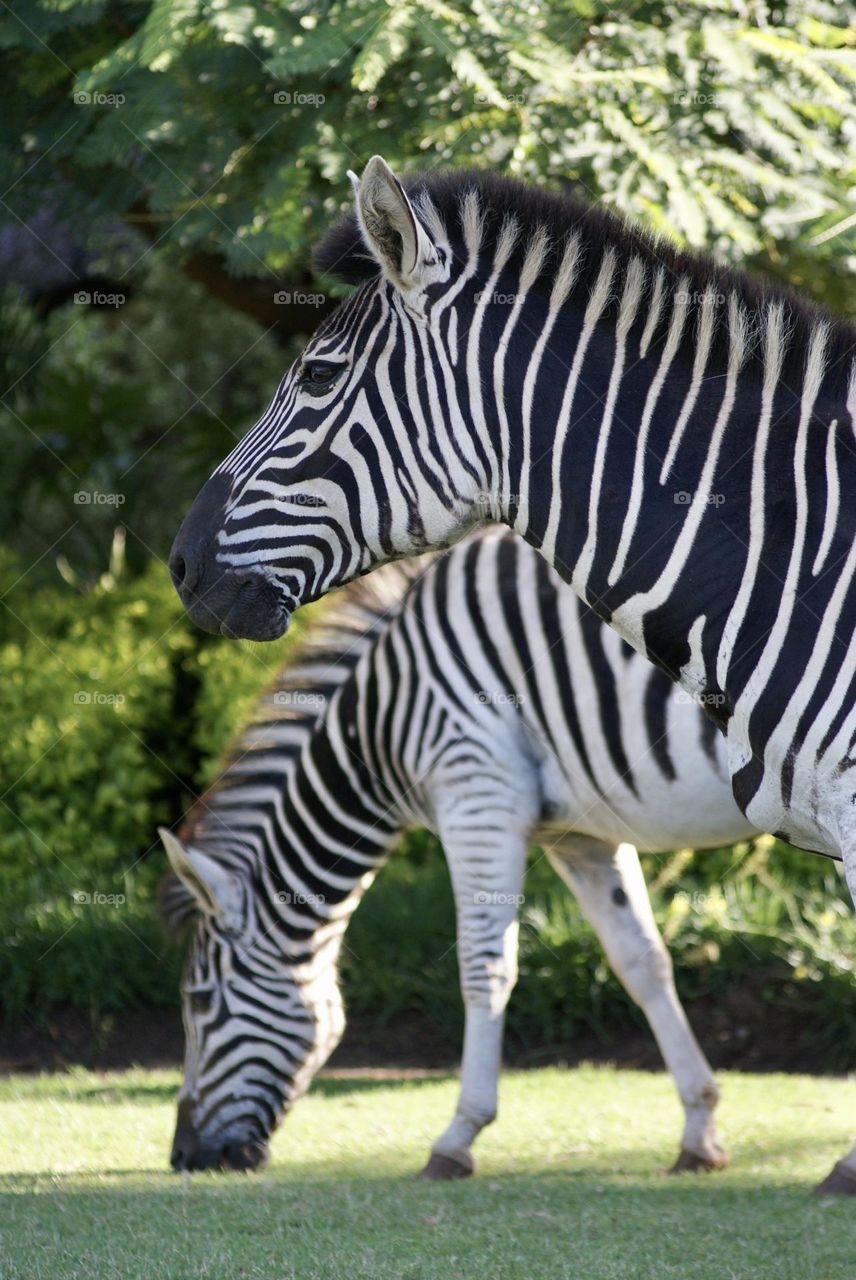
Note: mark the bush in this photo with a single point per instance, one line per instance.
(113, 706)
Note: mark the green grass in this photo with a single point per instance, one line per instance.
(570, 1184)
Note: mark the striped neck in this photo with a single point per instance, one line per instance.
(648, 437)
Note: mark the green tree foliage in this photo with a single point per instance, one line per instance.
(228, 127)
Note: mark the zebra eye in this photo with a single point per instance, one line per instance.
(316, 377)
(200, 1000)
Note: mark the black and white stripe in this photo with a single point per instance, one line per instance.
(493, 707)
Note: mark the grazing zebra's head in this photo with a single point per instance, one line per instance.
(256, 1026)
(366, 453)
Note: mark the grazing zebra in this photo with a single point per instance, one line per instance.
(493, 707)
(675, 439)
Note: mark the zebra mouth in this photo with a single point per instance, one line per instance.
(241, 1155)
(259, 612)
(243, 604)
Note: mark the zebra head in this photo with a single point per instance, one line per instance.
(256, 1027)
(365, 453)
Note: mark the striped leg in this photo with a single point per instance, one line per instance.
(487, 880)
(611, 890)
(841, 1181)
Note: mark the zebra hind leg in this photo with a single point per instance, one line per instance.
(610, 888)
(841, 1180)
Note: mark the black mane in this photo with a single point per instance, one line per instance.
(343, 255)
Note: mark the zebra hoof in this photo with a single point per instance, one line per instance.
(447, 1168)
(692, 1162)
(840, 1182)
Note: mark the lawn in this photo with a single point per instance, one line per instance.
(570, 1184)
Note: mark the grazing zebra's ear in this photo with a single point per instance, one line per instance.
(217, 891)
(176, 905)
(390, 227)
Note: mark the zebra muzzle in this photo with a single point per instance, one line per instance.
(242, 603)
(192, 1152)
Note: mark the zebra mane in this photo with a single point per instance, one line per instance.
(447, 199)
(288, 710)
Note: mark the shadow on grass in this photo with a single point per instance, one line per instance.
(614, 1167)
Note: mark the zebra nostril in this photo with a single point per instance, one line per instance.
(185, 573)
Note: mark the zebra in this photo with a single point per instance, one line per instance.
(675, 438)
(477, 697)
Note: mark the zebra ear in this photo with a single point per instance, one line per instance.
(390, 226)
(218, 892)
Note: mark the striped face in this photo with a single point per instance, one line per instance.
(254, 1037)
(364, 454)
(257, 1027)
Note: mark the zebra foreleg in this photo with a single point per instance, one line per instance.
(487, 881)
(611, 890)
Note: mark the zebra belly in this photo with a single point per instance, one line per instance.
(693, 811)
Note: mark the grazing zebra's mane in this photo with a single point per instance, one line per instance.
(466, 203)
(285, 715)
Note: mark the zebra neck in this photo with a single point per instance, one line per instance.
(660, 450)
(336, 827)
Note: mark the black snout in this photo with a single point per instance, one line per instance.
(189, 1152)
(244, 603)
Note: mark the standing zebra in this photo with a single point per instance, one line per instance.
(494, 708)
(675, 439)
